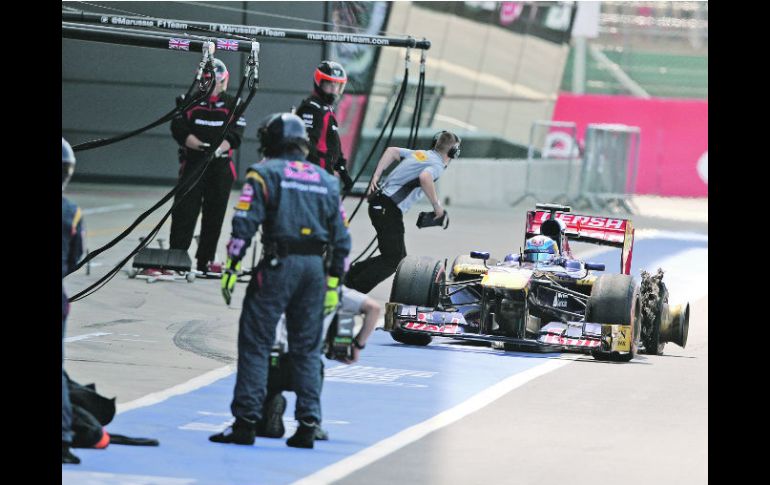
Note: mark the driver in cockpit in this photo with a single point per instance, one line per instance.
(540, 249)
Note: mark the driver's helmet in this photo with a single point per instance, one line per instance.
(540, 248)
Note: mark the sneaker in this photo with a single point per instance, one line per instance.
(241, 432)
(304, 437)
(272, 419)
(67, 456)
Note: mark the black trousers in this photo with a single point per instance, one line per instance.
(388, 221)
(211, 193)
(279, 377)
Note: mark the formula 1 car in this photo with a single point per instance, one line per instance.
(552, 305)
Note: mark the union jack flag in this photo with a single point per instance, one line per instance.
(180, 44)
(228, 45)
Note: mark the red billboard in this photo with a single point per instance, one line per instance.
(673, 156)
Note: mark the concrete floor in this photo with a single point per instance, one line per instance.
(646, 422)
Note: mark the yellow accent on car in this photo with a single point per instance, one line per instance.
(621, 338)
(510, 281)
(588, 280)
(305, 231)
(465, 268)
(390, 315)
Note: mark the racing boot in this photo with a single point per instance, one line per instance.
(241, 432)
(67, 456)
(271, 425)
(304, 437)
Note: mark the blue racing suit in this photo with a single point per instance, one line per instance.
(72, 244)
(298, 205)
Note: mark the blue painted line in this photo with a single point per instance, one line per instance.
(444, 378)
(395, 387)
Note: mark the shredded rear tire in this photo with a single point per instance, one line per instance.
(653, 296)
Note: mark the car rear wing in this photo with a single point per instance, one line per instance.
(605, 231)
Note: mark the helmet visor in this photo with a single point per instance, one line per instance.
(335, 88)
(536, 256)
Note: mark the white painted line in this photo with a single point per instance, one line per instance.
(109, 208)
(209, 413)
(387, 446)
(210, 427)
(85, 336)
(639, 235)
(108, 341)
(686, 274)
(183, 388)
(78, 477)
(678, 235)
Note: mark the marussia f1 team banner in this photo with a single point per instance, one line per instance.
(360, 62)
(673, 155)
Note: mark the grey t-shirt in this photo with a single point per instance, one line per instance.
(403, 184)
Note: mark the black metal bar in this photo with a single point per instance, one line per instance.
(532, 345)
(572, 314)
(458, 287)
(203, 36)
(247, 30)
(561, 289)
(158, 40)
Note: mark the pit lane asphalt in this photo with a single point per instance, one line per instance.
(580, 423)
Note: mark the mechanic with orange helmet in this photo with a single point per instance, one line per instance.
(317, 111)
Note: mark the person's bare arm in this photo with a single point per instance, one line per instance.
(426, 182)
(371, 310)
(389, 156)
